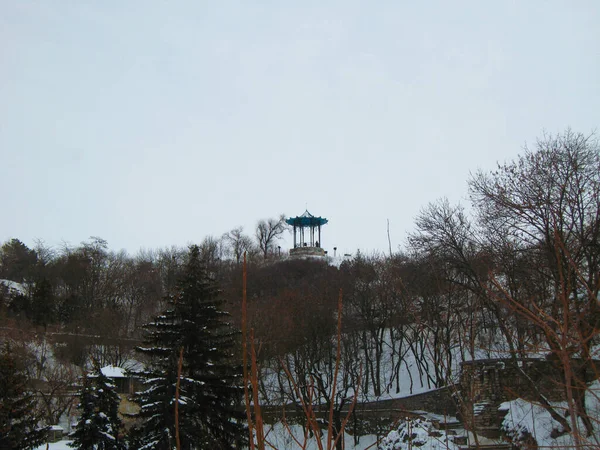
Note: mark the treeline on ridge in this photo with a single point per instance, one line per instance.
(518, 272)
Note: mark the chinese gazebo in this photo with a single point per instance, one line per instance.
(307, 234)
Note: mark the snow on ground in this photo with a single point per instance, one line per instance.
(418, 433)
(525, 419)
(277, 435)
(14, 287)
(413, 380)
(337, 260)
(413, 370)
(281, 437)
(60, 445)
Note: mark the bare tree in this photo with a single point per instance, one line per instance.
(547, 206)
(446, 235)
(143, 292)
(169, 263)
(268, 231)
(55, 391)
(211, 253)
(238, 243)
(51, 379)
(368, 306)
(531, 259)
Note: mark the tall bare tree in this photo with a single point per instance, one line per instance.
(547, 205)
(268, 232)
(238, 243)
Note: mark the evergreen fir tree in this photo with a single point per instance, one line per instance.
(18, 422)
(99, 425)
(210, 390)
(84, 434)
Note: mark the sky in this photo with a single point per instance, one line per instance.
(153, 123)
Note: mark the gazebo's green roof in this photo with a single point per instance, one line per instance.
(306, 220)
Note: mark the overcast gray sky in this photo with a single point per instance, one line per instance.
(152, 123)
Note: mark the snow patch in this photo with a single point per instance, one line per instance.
(14, 287)
(417, 433)
(526, 421)
(113, 372)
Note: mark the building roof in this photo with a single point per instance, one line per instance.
(306, 220)
(113, 372)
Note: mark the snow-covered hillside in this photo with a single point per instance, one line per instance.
(13, 287)
(525, 420)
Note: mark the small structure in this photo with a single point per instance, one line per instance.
(124, 382)
(55, 433)
(307, 234)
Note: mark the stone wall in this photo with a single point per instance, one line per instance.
(438, 401)
(299, 252)
(485, 384)
(381, 415)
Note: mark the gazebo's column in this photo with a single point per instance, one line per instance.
(320, 243)
(294, 236)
